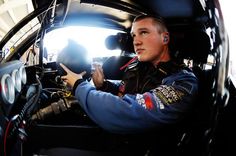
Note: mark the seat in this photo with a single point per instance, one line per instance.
(191, 44)
(195, 46)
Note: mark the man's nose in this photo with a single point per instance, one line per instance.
(136, 41)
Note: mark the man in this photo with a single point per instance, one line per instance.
(156, 91)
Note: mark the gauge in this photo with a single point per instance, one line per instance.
(16, 79)
(7, 89)
(22, 74)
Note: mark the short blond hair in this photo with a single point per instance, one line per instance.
(159, 21)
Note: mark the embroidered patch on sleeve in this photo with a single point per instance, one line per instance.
(148, 101)
(168, 94)
(145, 101)
(158, 101)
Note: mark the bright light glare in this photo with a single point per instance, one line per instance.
(228, 10)
(93, 39)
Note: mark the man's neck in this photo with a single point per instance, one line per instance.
(165, 57)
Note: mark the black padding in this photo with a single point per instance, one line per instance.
(112, 65)
(170, 8)
(121, 41)
(191, 45)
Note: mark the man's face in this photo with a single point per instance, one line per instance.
(147, 40)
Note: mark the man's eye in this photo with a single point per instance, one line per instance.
(143, 32)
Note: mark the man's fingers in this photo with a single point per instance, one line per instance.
(100, 69)
(96, 66)
(64, 67)
(83, 73)
(63, 78)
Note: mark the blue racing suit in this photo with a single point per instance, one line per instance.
(147, 98)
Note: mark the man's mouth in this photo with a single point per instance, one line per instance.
(139, 51)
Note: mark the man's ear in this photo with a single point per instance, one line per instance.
(165, 37)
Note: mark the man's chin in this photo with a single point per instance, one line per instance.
(141, 59)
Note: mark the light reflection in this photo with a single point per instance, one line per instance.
(93, 39)
(228, 11)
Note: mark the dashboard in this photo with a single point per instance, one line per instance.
(32, 95)
(39, 111)
(13, 78)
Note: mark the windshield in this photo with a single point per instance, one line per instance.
(91, 38)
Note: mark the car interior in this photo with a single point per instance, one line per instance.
(40, 116)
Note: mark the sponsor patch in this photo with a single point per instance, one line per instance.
(159, 103)
(148, 101)
(145, 101)
(168, 94)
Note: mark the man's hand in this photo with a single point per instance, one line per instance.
(98, 76)
(71, 77)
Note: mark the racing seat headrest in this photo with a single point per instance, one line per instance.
(193, 45)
